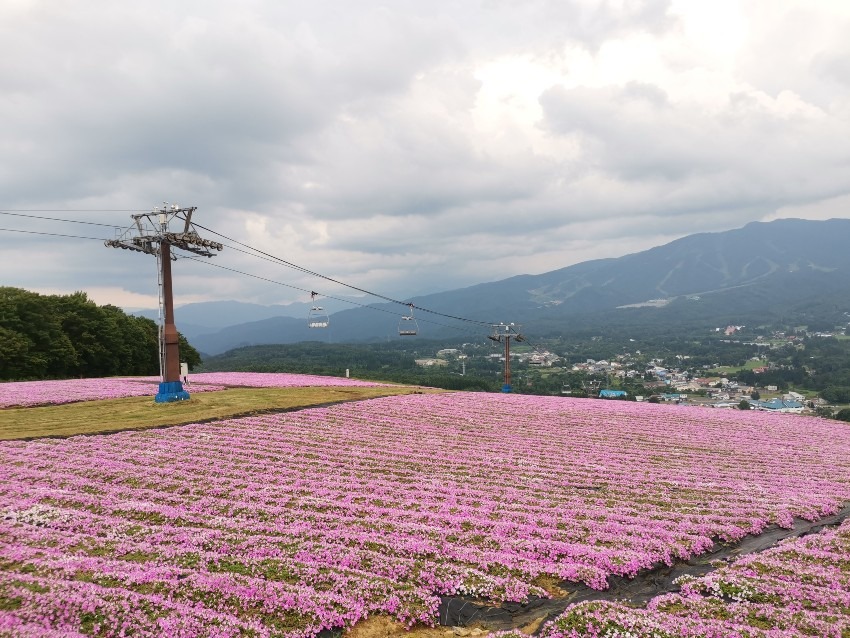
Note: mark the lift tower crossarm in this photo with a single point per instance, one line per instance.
(150, 228)
(149, 234)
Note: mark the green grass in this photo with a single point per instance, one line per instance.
(134, 413)
(727, 370)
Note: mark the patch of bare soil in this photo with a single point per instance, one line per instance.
(383, 627)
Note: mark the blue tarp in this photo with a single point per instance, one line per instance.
(612, 394)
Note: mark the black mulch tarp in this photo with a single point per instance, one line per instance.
(461, 612)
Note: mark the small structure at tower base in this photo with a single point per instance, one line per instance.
(171, 391)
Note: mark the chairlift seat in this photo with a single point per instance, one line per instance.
(409, 329)
(317, 318)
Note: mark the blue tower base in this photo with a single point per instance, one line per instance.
(171, 391)
(506, 387)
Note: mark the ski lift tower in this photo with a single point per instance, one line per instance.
(150, 234)
(503, 333)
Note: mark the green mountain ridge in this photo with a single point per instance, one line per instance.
(765, 269)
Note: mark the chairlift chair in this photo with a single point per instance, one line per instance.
(407, 326)
(317, 317)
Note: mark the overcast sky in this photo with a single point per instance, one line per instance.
(407, 146)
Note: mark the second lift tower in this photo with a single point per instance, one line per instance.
(503, 333)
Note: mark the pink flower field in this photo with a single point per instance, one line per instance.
(287, 524)
(31, 393)
(800, 588)
(275, 380)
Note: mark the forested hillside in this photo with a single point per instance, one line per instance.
(60, 336)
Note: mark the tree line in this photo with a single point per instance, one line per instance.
(808, 364)
(375, 361)
(64, 336)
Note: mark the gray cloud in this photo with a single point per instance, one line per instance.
(408, 147)
(751, 151)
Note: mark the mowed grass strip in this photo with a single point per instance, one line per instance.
(133, 413)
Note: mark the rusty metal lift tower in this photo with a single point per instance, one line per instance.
(149, 234)
(503, 333)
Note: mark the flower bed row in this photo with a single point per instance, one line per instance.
(292, 523)
(799, 589)
(275, 380)
(31, 393)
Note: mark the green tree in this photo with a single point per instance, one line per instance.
(843, 414)
(835, 394)
(58, 336)
(824, 412)
(14, 354)
(187, 353)
(32, 315)
(94, 333)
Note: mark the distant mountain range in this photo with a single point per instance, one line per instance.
(759, 272)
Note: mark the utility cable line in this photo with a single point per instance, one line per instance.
(72, 210)
(56, 219)
(533, 345)
(302, 269)
(260, 254)
(251, 251)
(342, 283)
(36, 232)
(348, 301)
(267, 256)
